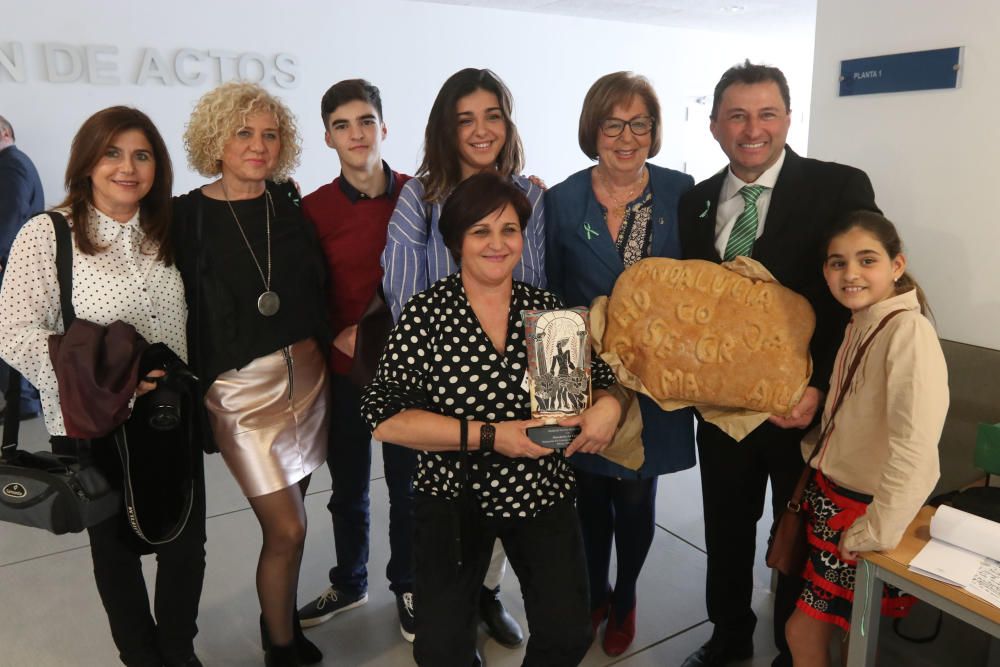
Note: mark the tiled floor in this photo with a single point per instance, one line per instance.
(50, 615)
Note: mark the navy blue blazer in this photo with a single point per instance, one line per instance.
(582, 263)
(20, 196)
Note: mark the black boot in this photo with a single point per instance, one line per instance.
(500, 624)
(307, 652)
(280, 656)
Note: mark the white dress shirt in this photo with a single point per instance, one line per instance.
(122, 281)
(731, 202)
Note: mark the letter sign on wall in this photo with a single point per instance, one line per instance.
(898, 72)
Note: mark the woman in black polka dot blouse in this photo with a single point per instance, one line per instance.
(455, 367)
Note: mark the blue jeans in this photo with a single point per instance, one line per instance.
(349, 459)
(29, 395)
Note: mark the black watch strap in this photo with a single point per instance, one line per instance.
(487, 437)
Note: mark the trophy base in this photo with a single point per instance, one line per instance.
(553, 437)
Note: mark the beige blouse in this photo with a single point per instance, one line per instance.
(884, 440)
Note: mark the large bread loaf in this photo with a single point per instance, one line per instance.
(695, 331)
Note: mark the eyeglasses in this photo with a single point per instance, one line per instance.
(612, 127)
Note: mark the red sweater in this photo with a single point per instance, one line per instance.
(352, 231)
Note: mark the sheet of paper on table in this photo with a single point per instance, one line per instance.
(964, 551)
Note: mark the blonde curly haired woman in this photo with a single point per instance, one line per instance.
(254, 280)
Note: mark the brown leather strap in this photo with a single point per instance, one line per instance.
(844, 386)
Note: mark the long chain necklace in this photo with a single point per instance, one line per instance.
(268, 302)
(619, 206)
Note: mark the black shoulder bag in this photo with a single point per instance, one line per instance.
(60, 494)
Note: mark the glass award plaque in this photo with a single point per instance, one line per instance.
(558, 371)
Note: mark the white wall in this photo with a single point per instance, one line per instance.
(931, 155)
(406, 48)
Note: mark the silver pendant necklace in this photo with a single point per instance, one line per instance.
(268, 303)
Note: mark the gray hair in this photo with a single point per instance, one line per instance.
(5, 125)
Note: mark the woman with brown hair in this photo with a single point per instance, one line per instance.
(600, 221)
(254, 276)
(118, 185)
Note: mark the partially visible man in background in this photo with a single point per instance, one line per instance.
(20, 198)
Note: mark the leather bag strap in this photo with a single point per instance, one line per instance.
(796, 499)
(64, 266)
(12, 416)
(64, 275)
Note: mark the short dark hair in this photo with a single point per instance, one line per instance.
(609, 90)
(441, 168)
(474, 199)
(89, 145)
(349, 90)
(748, 73)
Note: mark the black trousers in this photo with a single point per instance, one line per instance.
(167, 634)
(622, 511)
(734, 478)
(546, 552)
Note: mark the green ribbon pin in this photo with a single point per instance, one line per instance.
(708, 205)
(591, 232)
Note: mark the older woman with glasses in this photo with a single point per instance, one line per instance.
(600, 221)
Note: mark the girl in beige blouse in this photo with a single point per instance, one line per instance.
(879, 460)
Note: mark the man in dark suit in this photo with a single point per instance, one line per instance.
(774, 206)
(20, 197)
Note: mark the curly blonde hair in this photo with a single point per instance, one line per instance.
(219, 115)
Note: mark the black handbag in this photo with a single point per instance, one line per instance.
(64, 493)
(374, 327)
(373, 332)
(60, 494)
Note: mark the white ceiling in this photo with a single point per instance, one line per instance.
(769, 16)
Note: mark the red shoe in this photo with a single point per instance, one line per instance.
(598, 614)
(597, 617)
(618, 636)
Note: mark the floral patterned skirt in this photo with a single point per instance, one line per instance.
(829, 581)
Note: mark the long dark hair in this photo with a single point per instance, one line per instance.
(441, 170)
(885, 232)
(89, 145)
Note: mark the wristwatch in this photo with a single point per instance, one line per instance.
(487, 436)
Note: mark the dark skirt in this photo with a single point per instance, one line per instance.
(828, 594)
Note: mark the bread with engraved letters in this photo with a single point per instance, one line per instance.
(702, 334)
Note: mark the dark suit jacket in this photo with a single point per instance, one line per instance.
(581, 266)
(808, 197)
(20, 196)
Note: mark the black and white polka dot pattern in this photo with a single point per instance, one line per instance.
(438, 358)
(124, 281)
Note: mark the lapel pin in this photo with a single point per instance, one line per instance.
(708, 205)
(591, 232)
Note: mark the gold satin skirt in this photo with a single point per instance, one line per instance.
(270, 418)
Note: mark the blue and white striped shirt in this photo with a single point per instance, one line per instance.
(412, 263)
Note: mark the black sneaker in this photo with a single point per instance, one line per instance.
(328, 605)
(407, 615)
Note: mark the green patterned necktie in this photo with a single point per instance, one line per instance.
(745, 230)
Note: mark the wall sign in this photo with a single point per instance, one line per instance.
(104, 65)
(917, 70)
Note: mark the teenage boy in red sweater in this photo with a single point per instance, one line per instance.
(351, 216)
